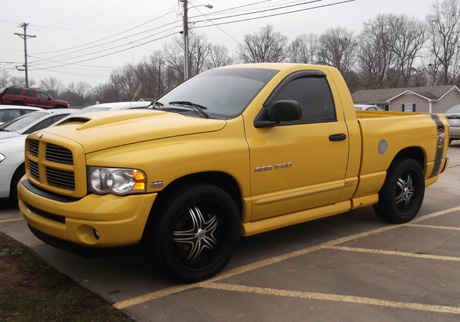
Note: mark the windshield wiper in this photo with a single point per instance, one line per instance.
(154, 104)
(197, 107)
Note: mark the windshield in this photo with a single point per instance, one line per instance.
(220, 92)
(455, 109)
(20, 124)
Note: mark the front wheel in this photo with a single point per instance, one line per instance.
(194, 234)
(402, 193)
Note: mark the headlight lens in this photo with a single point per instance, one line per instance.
(118, 181)
(2, 157)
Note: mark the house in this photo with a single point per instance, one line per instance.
(432, 99)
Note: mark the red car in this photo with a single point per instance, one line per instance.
(29, 97)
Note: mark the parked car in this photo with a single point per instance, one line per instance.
(453, 116)
(30, 97)
(10, 112)
(113, 106)
(365, 107)
(12, 139)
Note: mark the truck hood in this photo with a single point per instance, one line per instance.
(104, 130)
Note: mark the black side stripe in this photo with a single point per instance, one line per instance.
(439, 146)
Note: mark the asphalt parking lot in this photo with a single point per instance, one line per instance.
(350, 267)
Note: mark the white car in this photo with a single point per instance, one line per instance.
(12, 142)
(114, 106)
(10, 112)
(365, 107)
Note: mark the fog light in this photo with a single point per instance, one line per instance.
(96, 234)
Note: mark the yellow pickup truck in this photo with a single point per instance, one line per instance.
(234, 151)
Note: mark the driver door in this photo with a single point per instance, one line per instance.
(302, 164)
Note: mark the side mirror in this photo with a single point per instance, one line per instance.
(280, 111)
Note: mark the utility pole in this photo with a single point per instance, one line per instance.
(185, 39)
(25, 36)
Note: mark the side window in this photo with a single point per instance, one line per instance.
(39, 126)
(315, 96)
(13, 91)
(58, 117)
(29, 93)
(43, 95)
(7, 115)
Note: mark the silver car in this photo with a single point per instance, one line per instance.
(453, 116)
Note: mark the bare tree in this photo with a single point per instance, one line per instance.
(199, 51)
(20, 81)
(125, 82)
(444, 24)
(4, 78)
(408, 36)
(376, 57)
(52, 85)
(337, 47)
(263, 46)
(218, 56)
(303, 49)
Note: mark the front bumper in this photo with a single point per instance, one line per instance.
(92, 221)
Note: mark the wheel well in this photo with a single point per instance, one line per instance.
(218, 179)
(415, 153)
(19, 172)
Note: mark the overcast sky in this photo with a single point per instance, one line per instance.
(85, 40)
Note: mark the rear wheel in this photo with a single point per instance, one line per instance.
(402, 193)
(194, 234)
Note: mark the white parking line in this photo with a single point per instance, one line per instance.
(10, 220)
(332, 297)
(394, 253)
(177, 289)
(434, 227)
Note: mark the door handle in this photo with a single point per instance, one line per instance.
(337, 137)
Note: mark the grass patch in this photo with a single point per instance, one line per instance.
(31, 290)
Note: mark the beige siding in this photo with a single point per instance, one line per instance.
(422, 105)
(450, 99)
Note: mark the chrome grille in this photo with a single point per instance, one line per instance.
(61, 179)
(59, 154)
(33, 168)
(33, 147)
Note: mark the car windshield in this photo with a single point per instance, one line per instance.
(19, 124)
(220, 93)
(455, 109)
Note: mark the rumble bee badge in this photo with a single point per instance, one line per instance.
(441, 136)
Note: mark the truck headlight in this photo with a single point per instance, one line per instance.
(118, 181)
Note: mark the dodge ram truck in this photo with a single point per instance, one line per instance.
(234, 151)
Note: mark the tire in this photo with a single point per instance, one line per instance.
(194, 234)
(20, 172)
(402, 193)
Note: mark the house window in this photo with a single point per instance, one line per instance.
(408, 107)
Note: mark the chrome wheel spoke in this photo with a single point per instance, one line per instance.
(407, 191)
(200, 236)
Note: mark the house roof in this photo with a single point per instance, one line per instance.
(386, 95)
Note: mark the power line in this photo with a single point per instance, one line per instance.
(97, 42)
(107, 49)
(106, 55)
(210, 22)
(271, 15)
